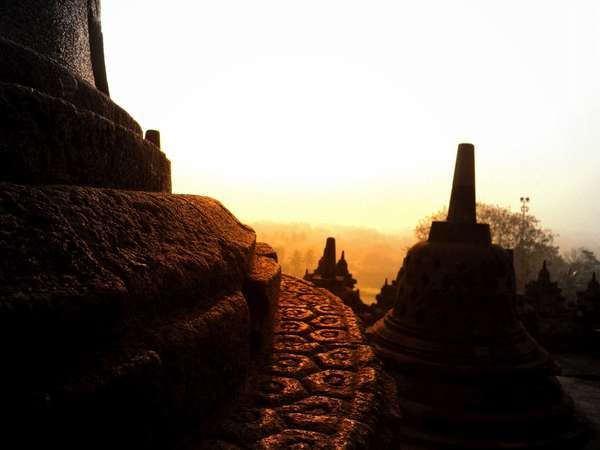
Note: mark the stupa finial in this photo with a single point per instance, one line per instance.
(462, 200)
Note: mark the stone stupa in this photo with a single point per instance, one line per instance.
(126, 312)
(335, 277)
(468, 374)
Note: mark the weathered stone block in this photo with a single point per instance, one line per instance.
(46, 140)
(21, 65)
(264, 249)
(261, 290)
(206, 358)
(112, 311)
(55, 28)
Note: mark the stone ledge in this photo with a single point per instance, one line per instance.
(57, 28)
(112, 305)
(46, 140)
(261, 290)
(22, 65)
(97, 264)
(264, 249)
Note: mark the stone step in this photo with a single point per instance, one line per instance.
(47, 140)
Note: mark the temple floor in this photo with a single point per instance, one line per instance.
(580, 377)
(322, 389)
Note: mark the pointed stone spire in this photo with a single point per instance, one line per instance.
(327, 265)
(462, 199)
(342, 266)
(470, 340)
(461, 224)
(386, 282)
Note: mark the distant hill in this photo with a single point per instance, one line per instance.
(372, 256)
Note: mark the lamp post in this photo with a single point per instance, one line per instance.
(524, 210)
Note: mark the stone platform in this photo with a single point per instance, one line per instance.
(580, 377)
(322, 389)
(125, 314)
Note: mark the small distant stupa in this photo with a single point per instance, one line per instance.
(545, 294)
(387, 295)
(335, 277)
(554, 324)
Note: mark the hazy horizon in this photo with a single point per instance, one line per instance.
(349, 113)
(566, 242)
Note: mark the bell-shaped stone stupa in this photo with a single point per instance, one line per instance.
(468, 374)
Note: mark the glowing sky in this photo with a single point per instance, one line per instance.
(349, 112)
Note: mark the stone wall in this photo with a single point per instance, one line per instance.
(46, 140)
(55, 28)
(23, 66)
(113, 308)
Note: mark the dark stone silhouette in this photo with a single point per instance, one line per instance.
(384, 301)
(549, 317)
(48, 141)
(336, 278)
(154, 137)
(112, 311)
(58, 127)
(327, 267)
(467, 373)
(462, 207)
(57, 29)
(22, 65)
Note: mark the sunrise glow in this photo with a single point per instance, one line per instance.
(349, 112)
